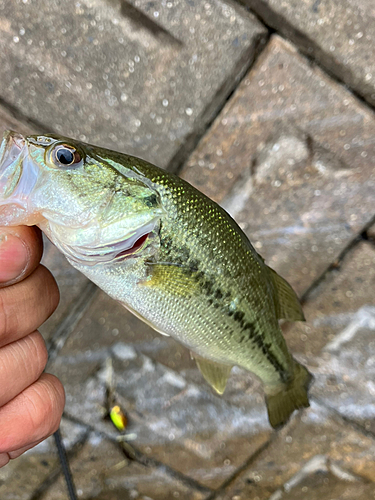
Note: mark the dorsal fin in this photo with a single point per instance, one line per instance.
(287, 303)
(214, 373)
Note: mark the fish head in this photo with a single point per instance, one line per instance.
(93, 207)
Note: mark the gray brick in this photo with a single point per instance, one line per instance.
(340, 35)
(331, 305)
(371, 233)
(142, 84)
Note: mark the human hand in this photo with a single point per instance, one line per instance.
(31, 402)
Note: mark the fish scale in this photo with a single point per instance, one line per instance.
(166, 252)
(237, 260)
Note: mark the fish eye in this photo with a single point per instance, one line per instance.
(66, 156)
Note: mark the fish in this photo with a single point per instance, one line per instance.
(165, 251)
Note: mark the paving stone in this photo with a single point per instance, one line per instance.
(371, 234)
(292, 158)
(337, 342)
(102, 472)
(9, 122)
(21, 477)
(336, 301)
(129, 75)
(178, 423)
(323, 484)
(316, 455)
(340, 35)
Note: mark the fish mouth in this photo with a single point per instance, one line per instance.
(10, 152)
(11, 147)
(129, 246)
(15, 186)
(18, 177)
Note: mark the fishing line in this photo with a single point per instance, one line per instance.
(65, 465)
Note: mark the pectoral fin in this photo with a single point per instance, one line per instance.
(214, 373)
(287, 304)
(172, 278)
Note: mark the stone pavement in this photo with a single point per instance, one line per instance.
(267, 107)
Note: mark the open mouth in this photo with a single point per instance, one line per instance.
(10, 172)
(129, 246)
(10, 149)
(16, 181)
(137, 246)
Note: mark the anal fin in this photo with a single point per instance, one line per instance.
(214, 373)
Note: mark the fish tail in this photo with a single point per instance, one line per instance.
(280, 405)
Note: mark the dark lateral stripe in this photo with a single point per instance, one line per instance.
(257, 339)
(214, 298)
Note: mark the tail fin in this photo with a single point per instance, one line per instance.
(281, 405)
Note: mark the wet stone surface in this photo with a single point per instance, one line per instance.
(21, 478)
(371, 234)
(294, 166)
(317, 454)
(104, 473)
(337, 342)
(330, 307)
(129, 76)
(340, 35)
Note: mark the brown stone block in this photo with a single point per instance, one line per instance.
(317, 455)
(333, 304)
(291, 157)
(9, 122)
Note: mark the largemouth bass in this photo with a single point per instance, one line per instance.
(165, 251)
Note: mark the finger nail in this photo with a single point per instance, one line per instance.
(13, 257)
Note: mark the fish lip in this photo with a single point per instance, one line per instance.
(11, 147)
(18, 177)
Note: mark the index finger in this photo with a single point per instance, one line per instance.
(21, 249)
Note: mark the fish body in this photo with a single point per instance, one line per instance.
(165, 251)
